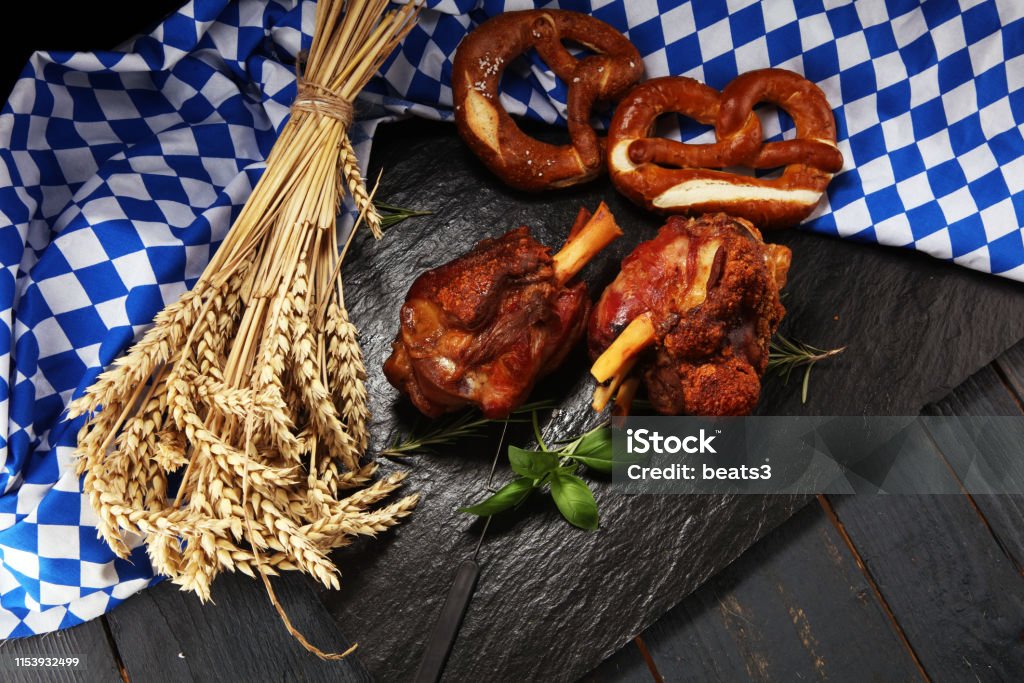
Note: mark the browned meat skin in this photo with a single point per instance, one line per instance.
(481, 329)
(711, 351)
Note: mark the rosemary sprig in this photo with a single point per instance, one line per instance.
(468, 424)
(786, 355)
(391, 215)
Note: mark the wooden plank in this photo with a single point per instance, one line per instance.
(950, 587)
(985, 393)
(793, 607)
(88, 641)
(164, 634)
(625, 666)
(1011, 365)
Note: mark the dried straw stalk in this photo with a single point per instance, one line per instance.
(250, 387)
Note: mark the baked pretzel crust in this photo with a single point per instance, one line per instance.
(518, 159)
(675, 177)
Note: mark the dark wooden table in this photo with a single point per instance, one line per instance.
(858, 588)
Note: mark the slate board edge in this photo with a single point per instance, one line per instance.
(921, 403)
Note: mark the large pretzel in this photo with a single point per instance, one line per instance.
(675, 177)
(480, 61)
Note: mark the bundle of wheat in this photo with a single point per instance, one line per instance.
(250, 387)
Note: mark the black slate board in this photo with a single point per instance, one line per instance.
(553, 600)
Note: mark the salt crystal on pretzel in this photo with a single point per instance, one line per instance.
(675, 177)
(481, 59)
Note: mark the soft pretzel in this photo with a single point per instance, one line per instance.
(676, 177)
(481, 59)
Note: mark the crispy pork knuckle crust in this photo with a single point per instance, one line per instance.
(711, 287)
(481, 329)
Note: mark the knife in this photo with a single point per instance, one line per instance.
(449, 621)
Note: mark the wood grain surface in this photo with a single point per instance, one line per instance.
(166, 635)
(90, 641)
(988, 393)
(786, 610)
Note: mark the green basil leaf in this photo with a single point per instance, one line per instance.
(574, 500)
(531, 464)
(598, 464)
(595, 450)
(508, 496)
(596, 444)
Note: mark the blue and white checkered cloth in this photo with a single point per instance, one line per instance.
(120, 172)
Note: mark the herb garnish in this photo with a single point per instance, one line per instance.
(786, 355)
(554, 470)
(468, 424)
(391, 215)
(550, 468)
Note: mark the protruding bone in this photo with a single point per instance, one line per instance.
(581, 220)
(707, 253)
(624, 399)
(604, 392)
(582, 246)
(778, 259)
(637, 336)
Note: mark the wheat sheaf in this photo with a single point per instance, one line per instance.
(249, 389)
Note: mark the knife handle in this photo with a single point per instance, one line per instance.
(442, 637)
